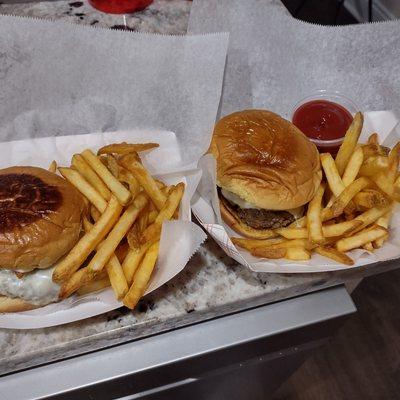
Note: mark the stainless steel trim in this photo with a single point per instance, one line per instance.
(179, 345)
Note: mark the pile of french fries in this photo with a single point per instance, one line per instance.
(350, 210)
(126, 208)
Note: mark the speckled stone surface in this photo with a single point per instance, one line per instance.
(211, 285)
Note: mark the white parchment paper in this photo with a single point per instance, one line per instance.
(64, 79)
(275, 60)
(207, 210)
(182, 233)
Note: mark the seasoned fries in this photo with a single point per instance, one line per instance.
(314, 220)
(349, 143)
(148, 183)
(362, 184)
(122, 227)
(120, 191)
(79, 163)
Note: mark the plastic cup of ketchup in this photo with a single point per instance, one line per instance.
(120, 6)
(324, 118)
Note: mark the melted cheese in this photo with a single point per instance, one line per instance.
(235, 199)
(36, 287)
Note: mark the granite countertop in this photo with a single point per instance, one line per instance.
(211, 285)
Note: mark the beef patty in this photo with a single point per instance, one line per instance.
(259, 218)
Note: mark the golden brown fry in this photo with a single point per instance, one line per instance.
(293, 233)
(133, 260)
(148, 183)
(349, 143)
(78, 279)
(347, 195)
(152, 216)
(76, 179)
(250, 244)
(373, 139)
(88, 242)
(369, 198)
(153, 231)
(361, 238)
(369, 217)
(53, 167)
(94, 286)
(384, 222)
(125, 148)
(332, 175)
(116, 187)
(314, 220)
(368, 246)
(79, 163)
(118, 232)
(125, 176)
(374, 165)
(297, 254)
(341, 228)
(353, 167)
(142, 277)
(334, 254)
(267, 252)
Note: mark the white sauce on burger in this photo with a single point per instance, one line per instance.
(235, 199)
(36, 287)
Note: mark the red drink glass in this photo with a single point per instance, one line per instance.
(120, 6)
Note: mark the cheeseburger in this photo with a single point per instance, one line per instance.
(40, 221)
(267, 170)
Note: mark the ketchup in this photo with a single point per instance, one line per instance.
(120, 6)
(323, 120)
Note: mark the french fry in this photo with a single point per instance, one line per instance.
(297, 254)
(125, 148)
(117, 233)
(369, 217)
(250, 244)
(79, 163)
(314, 220)
(368, 246)
(373, 139)
(347, 195)
(353, 167)
(334, 254)
(361, 238)
(125, 176)
(332, 175)
(152, 232)
(88, 242)
(112, 165)
(53, 167)
(341, 228)
(133, 260)
(349, 143)
(374, 165)
(267, 252)
(384, 222)
(148, 183)
(142, 277)
(293, 233)
(120, 191)
(94, 286)
(77, 180)
(114, 270)
(80, 278)
(370, 198)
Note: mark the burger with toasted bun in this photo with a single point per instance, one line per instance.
(40, 221)
(267, 170)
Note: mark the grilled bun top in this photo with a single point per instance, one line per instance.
(40, 217)
(265, 160)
